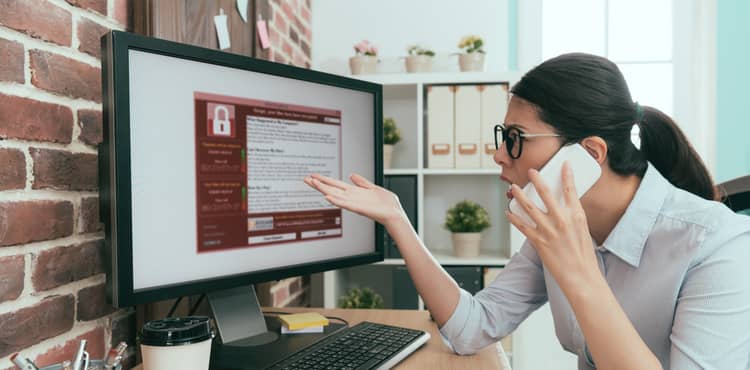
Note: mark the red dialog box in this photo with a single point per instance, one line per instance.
(220, 118)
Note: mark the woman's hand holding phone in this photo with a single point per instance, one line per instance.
(560, 235)
(361, 196)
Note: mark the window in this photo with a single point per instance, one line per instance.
(635, 34)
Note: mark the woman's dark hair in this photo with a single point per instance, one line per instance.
(582, 95)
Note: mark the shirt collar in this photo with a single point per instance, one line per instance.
(628, 238)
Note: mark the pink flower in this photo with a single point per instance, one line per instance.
(365, 48)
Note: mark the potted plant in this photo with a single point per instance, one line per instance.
(472, 59)
(419, 59)
(391, 136)
(466, 220)
(366, 58)
(361, 298)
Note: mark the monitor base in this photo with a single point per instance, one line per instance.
(251, 357)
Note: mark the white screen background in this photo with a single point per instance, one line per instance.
(162, 133)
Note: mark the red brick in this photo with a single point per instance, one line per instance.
(11, 277)
(305, 49)
(62, 265)
(299, 60)
(280, 295)
(65, 76)
(60, 353)
(308, 34)
(305, 12)
(287, 48)
(37, 18)
(99, 6)
(293, 35)
(90, 215)
(29, 221)
(123, 13)
(13, 170)
(27, 119)
(28, 326)
(90, 122)
(89, 34)
(61, 170)
(287, 8)
(11, 53)
(279, 58)
(280, 22)
(92, 303)
(274, 37)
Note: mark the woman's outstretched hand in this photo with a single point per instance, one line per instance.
(361, 196)
(561, 237)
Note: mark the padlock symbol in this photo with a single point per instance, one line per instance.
(221, 126)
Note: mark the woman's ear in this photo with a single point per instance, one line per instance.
(597, 147)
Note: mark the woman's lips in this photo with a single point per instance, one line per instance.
(508, 193)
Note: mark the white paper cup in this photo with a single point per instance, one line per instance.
(177, 343)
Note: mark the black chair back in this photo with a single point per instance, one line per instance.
(736, 194)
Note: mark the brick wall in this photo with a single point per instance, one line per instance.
(51, 267)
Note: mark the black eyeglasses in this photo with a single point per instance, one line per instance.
(513, 139)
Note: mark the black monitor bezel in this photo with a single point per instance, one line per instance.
(114, 166)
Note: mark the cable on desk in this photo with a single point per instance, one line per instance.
(197, 303)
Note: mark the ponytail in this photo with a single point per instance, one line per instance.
(583, 95)
(666, 147)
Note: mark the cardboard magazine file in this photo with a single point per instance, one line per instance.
(467, 125)
(440, 127)
(494, 106)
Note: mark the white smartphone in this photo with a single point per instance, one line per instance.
(586, 172)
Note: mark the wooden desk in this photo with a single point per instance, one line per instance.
(433, 355)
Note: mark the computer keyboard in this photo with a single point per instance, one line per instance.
(366, 345)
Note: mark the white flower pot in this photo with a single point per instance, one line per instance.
(471, 62)
(363, 64)
(387, 155)
(418, 63)
(466, 244)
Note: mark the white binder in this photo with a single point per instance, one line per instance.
(467, 125)
(439, 148)
(494, 106)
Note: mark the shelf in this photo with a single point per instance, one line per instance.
(446, 258)
(401, 171)
(447, 171)
(438, 77)
(461, 171)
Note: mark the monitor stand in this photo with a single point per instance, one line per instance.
(248, 340)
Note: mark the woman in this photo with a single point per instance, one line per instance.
(645, 271)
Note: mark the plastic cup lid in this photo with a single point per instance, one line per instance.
(176, 331)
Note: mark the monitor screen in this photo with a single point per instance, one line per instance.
(203, 162)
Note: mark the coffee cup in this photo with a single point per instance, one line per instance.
(177, 343)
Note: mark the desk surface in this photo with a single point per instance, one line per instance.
(433, 355)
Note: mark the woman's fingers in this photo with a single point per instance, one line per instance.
(323, 187)
(569, 188)
(545, 193)
(331, 181)
(361, 181)
(534, 213)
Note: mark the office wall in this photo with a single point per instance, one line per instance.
(51, 240)
(393, 25)
(733, 131)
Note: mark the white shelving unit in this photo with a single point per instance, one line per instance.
(437, 189)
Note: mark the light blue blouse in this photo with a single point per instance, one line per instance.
(678, 265)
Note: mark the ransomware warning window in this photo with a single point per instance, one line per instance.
(251, 158)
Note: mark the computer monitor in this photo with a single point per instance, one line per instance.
(201, 175)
